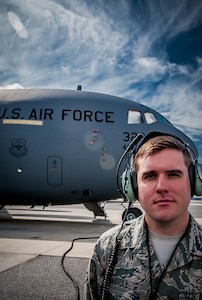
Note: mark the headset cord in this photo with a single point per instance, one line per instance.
(109, 270)
(112, 261)
(64, 269)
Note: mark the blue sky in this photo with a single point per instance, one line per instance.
(148, 51)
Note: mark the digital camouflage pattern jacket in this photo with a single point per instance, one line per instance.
(131, 276)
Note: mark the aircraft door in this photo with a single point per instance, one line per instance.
(54, 170)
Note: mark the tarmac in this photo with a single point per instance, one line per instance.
(33, 242)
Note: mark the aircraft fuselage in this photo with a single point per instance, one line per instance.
(60, 146)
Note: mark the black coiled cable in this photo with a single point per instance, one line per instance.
(109, 270)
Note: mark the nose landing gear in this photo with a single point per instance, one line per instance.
(131, 213)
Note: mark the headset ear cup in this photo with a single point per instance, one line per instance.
(127, 185)
(134, 184)
(192, 178)
(195, 177)
(198, 179)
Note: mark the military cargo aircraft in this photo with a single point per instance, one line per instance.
(62, 146)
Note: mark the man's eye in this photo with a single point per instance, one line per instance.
(150, 176)
(174, 174)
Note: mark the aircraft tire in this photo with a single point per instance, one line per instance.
(131, 213)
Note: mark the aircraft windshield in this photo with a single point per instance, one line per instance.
(134, 117)
(138, 117)
(150, 117)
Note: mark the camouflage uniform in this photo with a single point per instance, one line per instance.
(131, 276)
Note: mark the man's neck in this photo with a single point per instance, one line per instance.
(168, 228)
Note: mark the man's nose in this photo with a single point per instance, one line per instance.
(162, 184)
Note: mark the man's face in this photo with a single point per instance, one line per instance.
(164, 186)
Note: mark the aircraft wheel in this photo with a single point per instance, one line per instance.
(131, 213)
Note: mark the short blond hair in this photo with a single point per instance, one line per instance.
(159, 143)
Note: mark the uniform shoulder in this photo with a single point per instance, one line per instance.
(120, 230)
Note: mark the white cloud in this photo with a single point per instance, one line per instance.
(17, 25)
(12, 86)
(151, 64)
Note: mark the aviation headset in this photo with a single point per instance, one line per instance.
(129, 178)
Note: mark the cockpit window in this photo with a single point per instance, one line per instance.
(134, 117)
(150, 117)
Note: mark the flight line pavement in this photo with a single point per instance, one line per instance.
(32, 243)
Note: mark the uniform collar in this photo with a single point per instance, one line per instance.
(134, 236)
